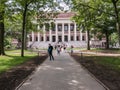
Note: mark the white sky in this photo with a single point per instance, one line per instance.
(64, 5)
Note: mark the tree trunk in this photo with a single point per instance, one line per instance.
(107, 40)
(23, 30)
(26, 39)
(88, 40)
(2, 33)
(117, 18)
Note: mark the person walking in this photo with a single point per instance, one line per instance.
(58, 49)
(71, 49)
(50, 49)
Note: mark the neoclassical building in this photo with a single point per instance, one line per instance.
(63, 30)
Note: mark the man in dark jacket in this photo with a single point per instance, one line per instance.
(50, 49)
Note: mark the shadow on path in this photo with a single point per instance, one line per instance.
(61, 74)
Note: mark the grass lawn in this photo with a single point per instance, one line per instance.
(112, 50)
(13, 58)
(111, 61)
(76, 48)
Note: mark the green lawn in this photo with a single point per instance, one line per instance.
(76, 48)
(117, 51)
(13, 58)
(111, 50)
(111, 61)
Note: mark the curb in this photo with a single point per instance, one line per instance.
(93, 76)
(28, 77)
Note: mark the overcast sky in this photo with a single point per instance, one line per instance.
(64, 5)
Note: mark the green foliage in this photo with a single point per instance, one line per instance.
(19, 15)
(7, 43)
(97, 16)
(114, 39)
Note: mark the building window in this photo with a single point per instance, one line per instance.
(66, 38)
(53, 38)
(72, 38)
(30, 38)
(71, 27)
(36, 38)
(83, 38)
(59, 27)
(66, 27)
(59, 38)
(42, 38)
(47, 38)
(77, 38)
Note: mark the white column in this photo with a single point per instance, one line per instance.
(50, 35)
(56, 32)
(69, 32)
(86, 38)
(75, 34)
(33, 36)
(44, 34)
(38, 36)
(80, 35)
(62, 32)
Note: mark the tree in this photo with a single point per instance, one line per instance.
(84, 17)
(114, 39)
(2, 11)
(105, 22)
(114, 2)
(106, 28)
(100, 12)
(28, 5)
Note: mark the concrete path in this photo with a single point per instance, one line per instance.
(61, 74)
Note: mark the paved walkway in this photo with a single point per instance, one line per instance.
(62, 74)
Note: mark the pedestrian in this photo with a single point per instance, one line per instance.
(55, 47)
(64, 48)
(71, 49)
(58, 49)
(50, 49)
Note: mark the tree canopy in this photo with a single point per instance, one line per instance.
(93, 16)
(100, 15)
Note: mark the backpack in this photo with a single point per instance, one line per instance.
(49, 49)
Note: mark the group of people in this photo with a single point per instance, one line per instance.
(59, 48)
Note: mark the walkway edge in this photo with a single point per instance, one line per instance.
(93, 76)
(28, 77)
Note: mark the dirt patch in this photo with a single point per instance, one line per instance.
(12, 78)
(107, 75)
